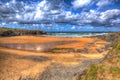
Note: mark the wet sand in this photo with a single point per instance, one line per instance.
(31, 57)
(36, 47)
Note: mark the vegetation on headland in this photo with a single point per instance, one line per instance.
(19, 32)
(109, 69)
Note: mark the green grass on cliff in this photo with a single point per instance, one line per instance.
(109, 69)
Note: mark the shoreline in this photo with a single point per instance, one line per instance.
(74, 36)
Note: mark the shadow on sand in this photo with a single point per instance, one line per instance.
(36, 58)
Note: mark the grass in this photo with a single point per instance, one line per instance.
(115, 70)
(61, 50)
(109, 69)
(93, 71)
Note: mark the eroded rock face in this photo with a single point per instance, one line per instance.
(111, 37)
(59, 72)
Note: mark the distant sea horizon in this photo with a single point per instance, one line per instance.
(74, 34)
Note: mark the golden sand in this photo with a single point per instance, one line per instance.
(16, 63)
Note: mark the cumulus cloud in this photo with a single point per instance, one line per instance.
(103, 3)
(52, 12)
(80, 3)
(115, 22)
(100, 18)
(22, 12)
(110, 14)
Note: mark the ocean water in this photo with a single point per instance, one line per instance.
(79, 34)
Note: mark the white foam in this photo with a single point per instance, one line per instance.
(73, 34)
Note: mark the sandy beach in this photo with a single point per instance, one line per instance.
(31, 57)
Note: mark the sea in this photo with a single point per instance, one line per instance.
(72, 34)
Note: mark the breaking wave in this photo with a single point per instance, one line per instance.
(78, 34)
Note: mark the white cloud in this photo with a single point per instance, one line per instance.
(109, 14)
(100, 18)
(103, 3)
(51, 12)
(73, 27)
(116, 22)
(80, 3)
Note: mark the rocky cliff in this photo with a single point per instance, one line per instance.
(19, 32)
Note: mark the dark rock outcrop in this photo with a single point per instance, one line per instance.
(111, 37)
(19, 32)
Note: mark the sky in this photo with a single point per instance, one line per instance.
(61, 15)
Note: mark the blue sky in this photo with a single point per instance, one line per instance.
(61, 15)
